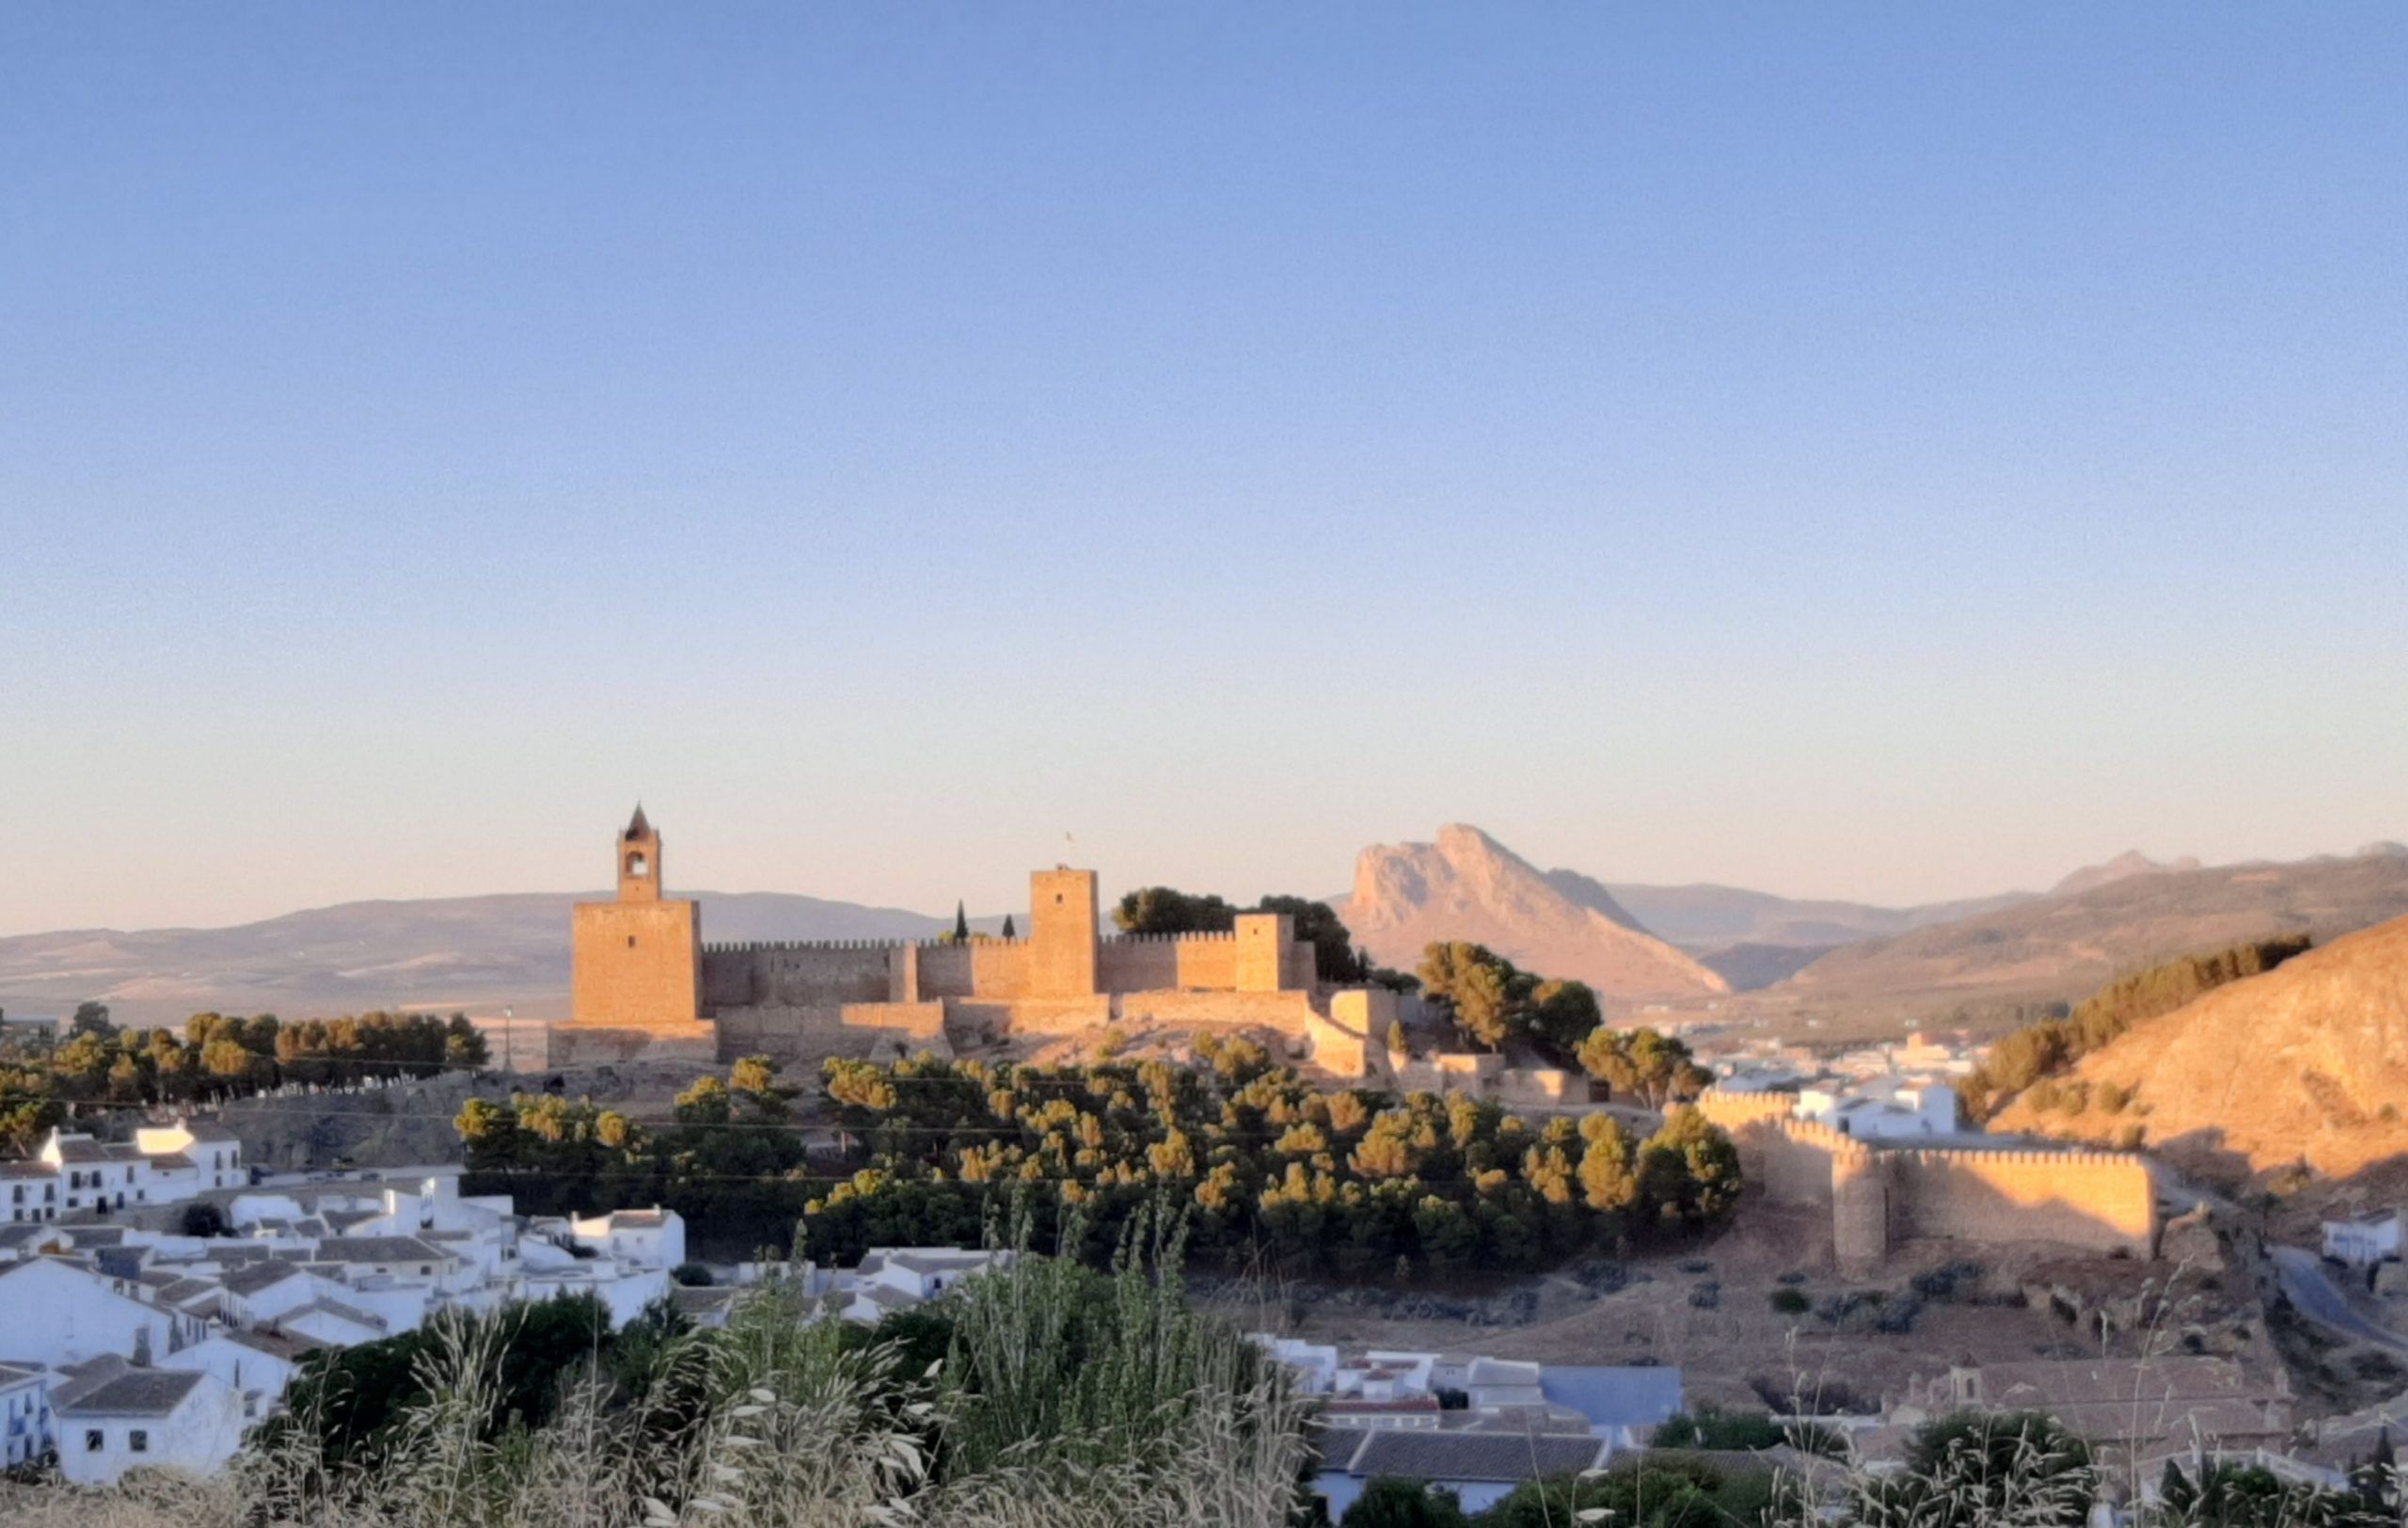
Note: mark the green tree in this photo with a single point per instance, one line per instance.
(1562, 1015)
(91, 1018)
(1488, 998)
(1609, 1178)
(1644, 1065)
(1688, 1170)
(1162, 910)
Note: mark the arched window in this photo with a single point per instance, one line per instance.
(638, 864)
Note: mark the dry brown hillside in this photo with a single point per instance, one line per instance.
(2306, 1062)
(1469, 887)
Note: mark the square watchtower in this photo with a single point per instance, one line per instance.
(1062, 932)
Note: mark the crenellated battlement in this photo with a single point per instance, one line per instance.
(2032, 1156)
(1877, 1193)
(764, 946)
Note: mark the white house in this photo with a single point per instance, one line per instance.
(401, 1258)
(333, 1323)
(24, 1415)
(1885, 1110)
(1481, 1467)
(2364, 1241)
(652, 1238)
(924, 1272)
(173, 1419)
(29, 1191)
(214, 1152)
(93, 1177)
(255, 1365)
(257, 1294)
(63, 1312)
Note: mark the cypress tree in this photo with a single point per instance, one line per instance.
(961, 923)
(1009, 932)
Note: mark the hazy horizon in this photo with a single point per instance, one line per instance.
(1887, 452)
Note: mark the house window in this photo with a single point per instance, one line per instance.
(92, 1439)
(138, 1441)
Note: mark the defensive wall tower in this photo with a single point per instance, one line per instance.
(1062, 932)
(636, 962)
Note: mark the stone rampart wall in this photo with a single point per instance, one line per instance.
(2102, 1199)
(1024, 1017)
(798, 975)
(1287, 1011)
(923, 1021)
(981, 968)
(797, 1037)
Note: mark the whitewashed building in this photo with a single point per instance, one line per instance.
(136, 1418)
(24, 1415)
(652, 1238)
(1889, 1109)
(255, 1366)
(63, 1312)
(2364, 1240)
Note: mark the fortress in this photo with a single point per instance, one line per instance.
(642, 981)
(2103, 1201)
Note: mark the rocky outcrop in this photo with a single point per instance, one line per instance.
(1468, 886)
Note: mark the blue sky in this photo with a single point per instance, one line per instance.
(1893, 452)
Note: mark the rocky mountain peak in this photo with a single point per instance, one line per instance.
(2122, 868)
(1466, 886)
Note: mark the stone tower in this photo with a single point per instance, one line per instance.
(1062, 934)
(636, 962)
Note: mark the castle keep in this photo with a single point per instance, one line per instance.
(642, 981)
(1877, 1196)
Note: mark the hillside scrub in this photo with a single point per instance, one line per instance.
(2052, 1047)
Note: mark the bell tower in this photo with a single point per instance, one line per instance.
(638, 861)
(636, 961)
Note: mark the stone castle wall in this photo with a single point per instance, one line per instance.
(2099, 1200)
(794, 975)
(2102, 1199)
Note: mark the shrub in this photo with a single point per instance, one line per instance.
(692, 1275)
(1791, 1301)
